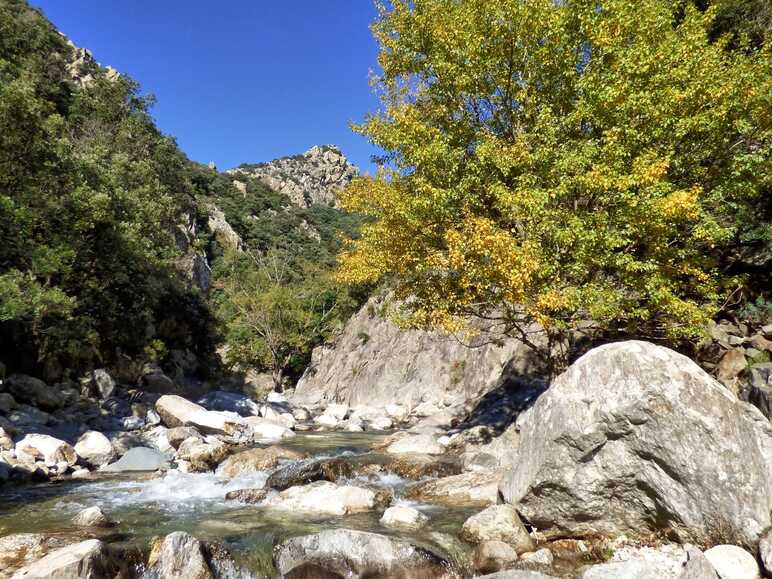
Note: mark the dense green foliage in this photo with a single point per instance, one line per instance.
(90, 193)
(277, 308)
(98, 209)
(265, 219)
(555, 162)
(275, 299)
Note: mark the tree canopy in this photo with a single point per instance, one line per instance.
(276, 311)
(554, 162)
(90, 194)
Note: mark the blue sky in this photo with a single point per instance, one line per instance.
(238, 80)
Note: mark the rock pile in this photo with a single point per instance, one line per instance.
(740, 356)
(634, 444)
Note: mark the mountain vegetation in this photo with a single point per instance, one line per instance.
(93, 199)
(90, 192)
(557, 162)
(276, 298)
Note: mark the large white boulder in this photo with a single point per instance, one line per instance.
(332, 416)
(178, 556)
(498, 523)
(327, 421)
(264, 430)
(46, 448)
(635, 438)
(85, 559)
(277, 416)
(469, 488)
(95, 448)
(348, 553)
(732, 562)
(202, 456)
(158, 437)
(338, 411)
(402, 516)
(491, 556)
(177, 411)
(324, 497)
(416, 444)
(92, 517)
(665, 562)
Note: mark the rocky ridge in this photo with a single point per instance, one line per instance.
(316, 176)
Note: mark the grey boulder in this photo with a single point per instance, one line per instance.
(178, 556)
(498, 523)
(89, 559)
(635, 438)
(138, 459)
(182, 556)
(348, 553)
(33, 391)
(697, 566)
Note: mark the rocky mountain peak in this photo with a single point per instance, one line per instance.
(316, 176)
(82, 66)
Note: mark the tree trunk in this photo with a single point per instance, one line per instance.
(278, 379)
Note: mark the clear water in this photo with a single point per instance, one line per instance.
(154, 505)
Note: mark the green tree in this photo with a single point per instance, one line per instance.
(90, 196)
(554, 162)
(275, 314)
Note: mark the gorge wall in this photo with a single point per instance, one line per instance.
(374, 362)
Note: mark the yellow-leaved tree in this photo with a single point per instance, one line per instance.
(556, 161)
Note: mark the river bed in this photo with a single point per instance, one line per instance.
(150, 505)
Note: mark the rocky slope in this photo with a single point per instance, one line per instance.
(316, 176)
(373, 362)
(376, 363)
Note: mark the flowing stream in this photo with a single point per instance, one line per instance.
(149, 505)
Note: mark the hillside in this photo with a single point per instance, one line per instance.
(116, 246)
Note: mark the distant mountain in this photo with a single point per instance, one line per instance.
(315, 177)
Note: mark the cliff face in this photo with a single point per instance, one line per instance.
(375, 363)
(316, 176)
